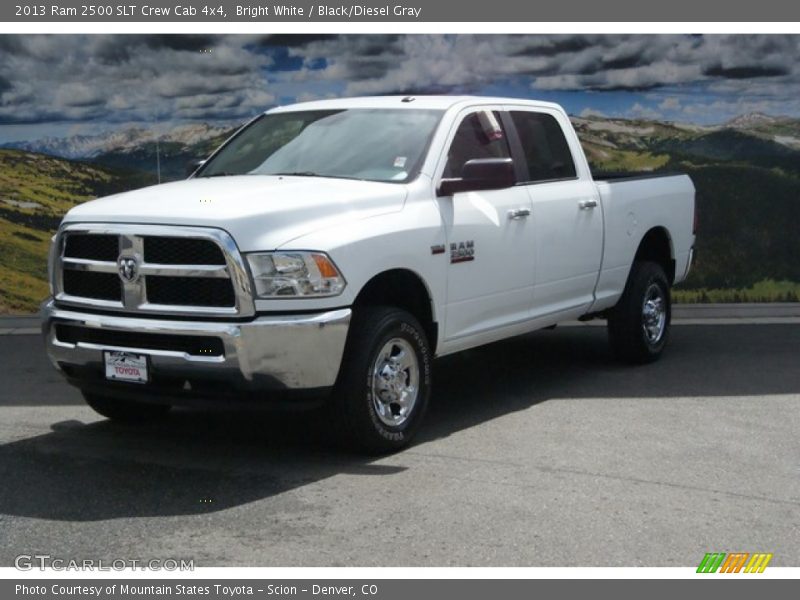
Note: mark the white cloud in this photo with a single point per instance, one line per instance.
(670, 103)
(638, 111)
(380, 64)
(591, 112)
(135, 78)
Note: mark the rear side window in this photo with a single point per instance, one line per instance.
(546, 151)
(480, 135)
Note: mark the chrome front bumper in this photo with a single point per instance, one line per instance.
(284, 352)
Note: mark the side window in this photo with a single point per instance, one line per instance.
(546, 151)
(480, 135)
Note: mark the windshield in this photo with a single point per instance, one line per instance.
(371, 144)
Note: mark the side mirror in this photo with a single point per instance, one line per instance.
(481, 174)
(193, 165)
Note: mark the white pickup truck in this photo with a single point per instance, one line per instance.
(336, 247)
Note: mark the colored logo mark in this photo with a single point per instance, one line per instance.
(735, 562)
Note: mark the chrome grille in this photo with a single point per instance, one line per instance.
(88, 284)
(191, 291)
(182, 251)
(95, 247)
(152, 269)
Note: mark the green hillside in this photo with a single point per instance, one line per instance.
(748, 195)
(747, 178)
(729, 145)
(35, 191)
(746, 234)
(173, 156)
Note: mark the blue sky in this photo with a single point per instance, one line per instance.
(63, 85)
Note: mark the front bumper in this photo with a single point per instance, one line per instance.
(286, 352)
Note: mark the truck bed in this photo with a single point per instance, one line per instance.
(633, 204)
(618, 176)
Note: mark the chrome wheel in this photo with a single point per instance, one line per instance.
(654, 314)
(395, 382)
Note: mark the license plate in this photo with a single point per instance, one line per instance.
(125, 366)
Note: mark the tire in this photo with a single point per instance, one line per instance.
(125, 411)
(638, 326)
(384, 384)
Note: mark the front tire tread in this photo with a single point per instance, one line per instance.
(358, 426)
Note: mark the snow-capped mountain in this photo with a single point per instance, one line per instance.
(132, 138)
(752, 120)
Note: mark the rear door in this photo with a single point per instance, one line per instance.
(567, 217)
(490, 237)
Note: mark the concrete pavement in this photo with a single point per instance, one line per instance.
(540, 451)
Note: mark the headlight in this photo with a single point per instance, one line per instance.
(294, 274)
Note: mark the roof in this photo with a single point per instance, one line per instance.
(417, 102)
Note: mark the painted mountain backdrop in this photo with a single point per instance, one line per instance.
(85, 115)
(747, 174)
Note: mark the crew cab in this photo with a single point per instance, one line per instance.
(332, 249)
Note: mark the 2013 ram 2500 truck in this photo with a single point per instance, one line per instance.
(339, 246)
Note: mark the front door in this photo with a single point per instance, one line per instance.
(490, 238)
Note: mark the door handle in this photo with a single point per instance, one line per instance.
(587, 204)
(519, 213)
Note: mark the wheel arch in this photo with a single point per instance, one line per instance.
(404, 289)
(656, 246)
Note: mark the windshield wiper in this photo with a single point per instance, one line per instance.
(300, 174)
(220, 174)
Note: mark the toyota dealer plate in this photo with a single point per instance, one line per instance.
(125, 366)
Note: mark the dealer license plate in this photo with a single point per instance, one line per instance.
(125, 366)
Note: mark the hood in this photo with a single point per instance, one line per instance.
(261, 212)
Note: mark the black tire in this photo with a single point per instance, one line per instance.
(354, 405)
(125, 411)
(631, 339)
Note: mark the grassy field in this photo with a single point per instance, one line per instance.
(767, 290)
(747, 187)
(35, 192)
(613, 159)
(23, 270)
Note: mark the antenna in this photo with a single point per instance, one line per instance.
(158, 159)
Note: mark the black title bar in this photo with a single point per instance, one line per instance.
(177, 11)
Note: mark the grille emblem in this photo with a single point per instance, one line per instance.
(128, 268)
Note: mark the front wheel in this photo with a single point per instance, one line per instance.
(385, 379)
(638, 326)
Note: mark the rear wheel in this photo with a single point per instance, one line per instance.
(384, 384)
(126, 411)
(638, 326)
